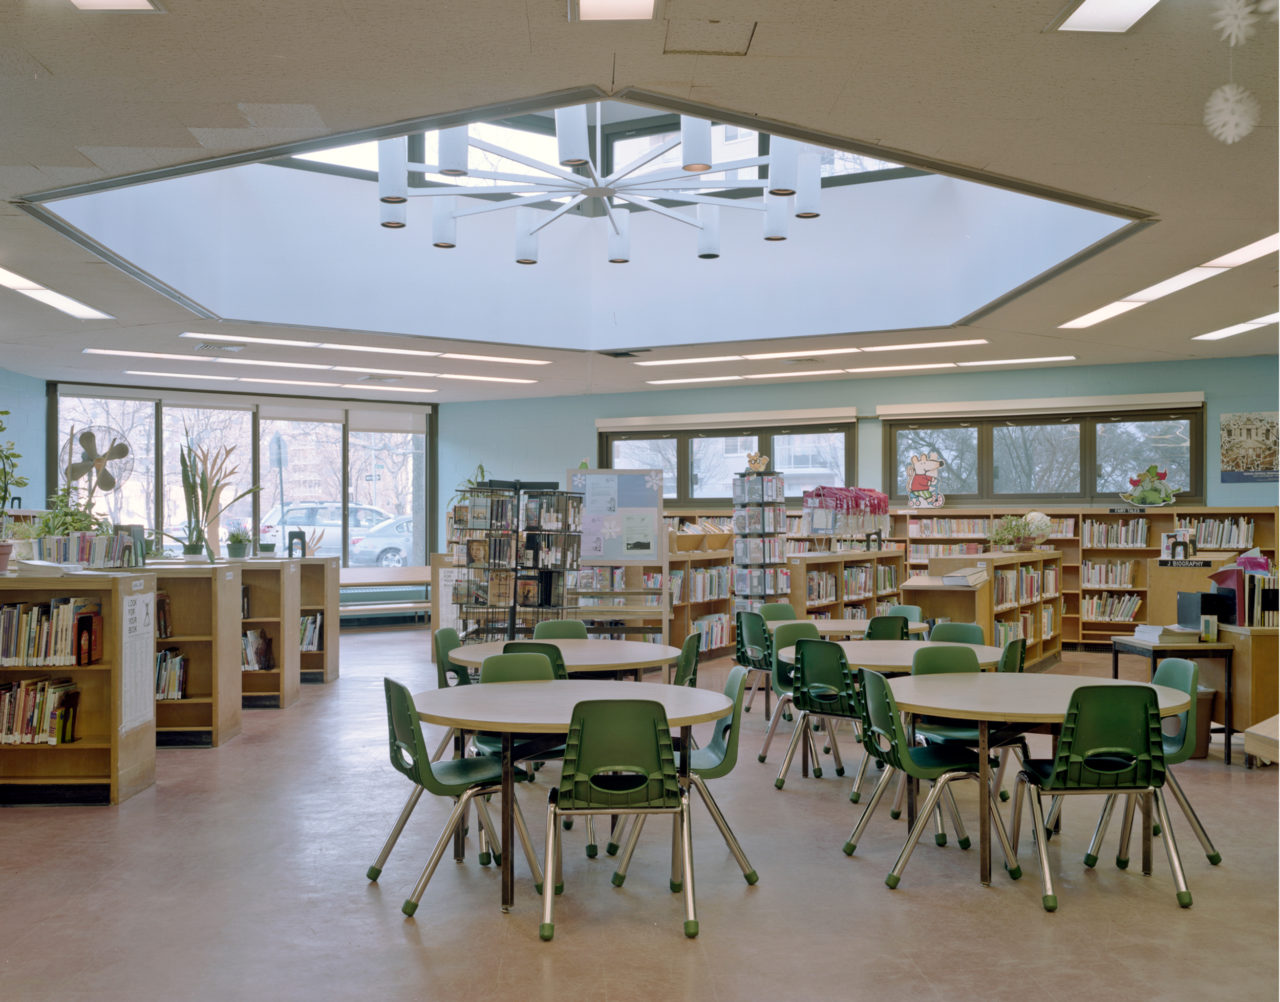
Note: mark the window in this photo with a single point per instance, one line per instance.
(809, 459)
(387, 475)
(302, 484)
(714, 461)
(647, 454)
(206, 428)
(1049, 457)
(107, 449)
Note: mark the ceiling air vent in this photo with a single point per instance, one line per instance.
(632, 353)
(208, 347)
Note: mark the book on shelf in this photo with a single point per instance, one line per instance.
(1151, 633)
(256, 652)
(973, 575)
(164, 616)
(38, 711)
(171, 674)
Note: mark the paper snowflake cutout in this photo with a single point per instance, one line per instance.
(653, 481)
(1234, 20)
(610, 528)
(1230, 113)
(579, 482)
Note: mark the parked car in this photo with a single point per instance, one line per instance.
(387, 544)
(317, 516)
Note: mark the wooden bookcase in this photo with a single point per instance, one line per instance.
(204, 624)
(621, 600)
(114, 752)
(318, 596)
(846, 584)
(271, 590)
(1022, 597)
(705, 600)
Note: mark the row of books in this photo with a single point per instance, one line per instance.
(483, 511)
(553, 513)
(761, 580)
(1130, 533)
(1107, 573)
(255, 651)
(598, 579)
(1153, 633)
(89, 549)
(770, 518)
(705, 584)
(171, 674)
(919, 553)
(63, 631)
(750, 488)
(704, 525)
(820, 586)
(759, 550)
(1260, 603)
(490, 551)
(925, 528)
(39, 711)
(1104, 607)
(311, 632)
(1220, 533)
(554, 551)
(713, 630)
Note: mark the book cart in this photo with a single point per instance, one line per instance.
(269, 614)
(111, 754)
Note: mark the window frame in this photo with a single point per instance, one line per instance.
(1089, 422)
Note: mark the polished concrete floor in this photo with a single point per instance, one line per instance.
(240, 875)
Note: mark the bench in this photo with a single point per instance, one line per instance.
(376, 592)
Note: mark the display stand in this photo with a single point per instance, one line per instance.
(760, 571)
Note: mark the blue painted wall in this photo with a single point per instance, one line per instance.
(540, 439)
(24, 399)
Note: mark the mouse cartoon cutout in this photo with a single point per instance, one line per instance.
(922, 481)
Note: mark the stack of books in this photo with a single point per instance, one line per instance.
(974, 575)
(1172, 634)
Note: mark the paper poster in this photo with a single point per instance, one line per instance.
(621, 513)
(1248, 448)
(137, 657)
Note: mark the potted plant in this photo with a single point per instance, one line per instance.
(9, 478)
(265, 547)
(206, 473)
(238, 541)
(1019, 532)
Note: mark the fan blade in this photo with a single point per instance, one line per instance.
(106, 481)
(89, 443)
(77, 470)
(118, 450)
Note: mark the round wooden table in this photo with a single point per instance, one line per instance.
(583, 655)
(1006, 698)
(546, 708)
(894, 656)
(852, 628)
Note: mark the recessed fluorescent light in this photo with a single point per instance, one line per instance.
(901, 368)
(612, 10)
(1170, 285)
(273, 365)
(178, 375)
(66, 304)
(801, 354)
(420, 353)
(695, 379)
(485, 379)
(10, 280)
(286, 382)
(1101, 314)
(1022, 361)
(1106, 15)
(926, 344)
(497, 358)
(1248, 325)
(142, 354)
(381, 372)
(387, 389)
(286, 342)
(1250, 252)
(706, 359)
(781, 375)
(115, 5)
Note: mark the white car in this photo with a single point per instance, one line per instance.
(313, 517)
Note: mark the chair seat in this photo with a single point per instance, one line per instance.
(932, 761)
(523, 746)
(1040, 771)
(464, 772)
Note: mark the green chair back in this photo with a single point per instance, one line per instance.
(777, 610)
(912, 612)
(1111, 739)
(411, 756)
(786, 635)
(753, 647)
(958, 633)
(1014, 655)
(619, 754)
(886, 628)
(560, 629)
(944, 660)
(886, 739)
(1184, 675)
(444, 642)
(687, 662)
(719, 755)
(823, 682)
(551, 651)
(524, 667)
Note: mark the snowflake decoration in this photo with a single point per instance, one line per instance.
(1234, 20)
(579, 483)
(610, 528)
(653, 482)
(1268, 7)
(1231, 113)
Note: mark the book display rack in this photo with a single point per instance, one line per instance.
(760, 572)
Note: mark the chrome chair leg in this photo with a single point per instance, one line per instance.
(1126, 830)
(629, 847)
(455, 818)
(787, 759)
(1172, 784)
(530, 857)
(922, 819)
(899, 798)
(876, 796)
(1048, 898)
(779, 708)
(375, 871)
(1100, 831)
(690, 907)
(551, 883)
(726, 832)
(813, 753)
(831, 723)
(1171, 850)
(855, 794)
(450, 734)
(677, 848)
(962, 836)
(488, 834)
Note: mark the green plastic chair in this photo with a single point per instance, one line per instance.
(886, 628)
(940, 765)
(462, 779)
(619, 760)
(777, 610)
(444, 642)
(718, 759)
(687, 662)
(526, 666)
(781, 678)
(753, 649)
(1111, 743)
(913, 613)
(550, 651)
(958, 633)
(1184, 675)
(1012, 659)
(560, 629)
(823, 689)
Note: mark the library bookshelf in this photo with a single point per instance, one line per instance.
(270, 603)
(318, 618)
(113, 755)
(846, 584)
(198, 613)
(619, 599)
